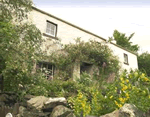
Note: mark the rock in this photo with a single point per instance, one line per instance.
(8, 99)
(113, 114)
(53, 102)
(23, 112)
(37, 102)
(61, 111)
(28, 97)
(91, 116)
(71, 115)
(9, 115)
(129, 110)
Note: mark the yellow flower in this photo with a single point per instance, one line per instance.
(149, 96)
(119, 105)
(127, 80)
(111, 97)
(129, 86)
(124, 88)
(127, 95)
(121, 100)
(143, 74)
(121, 79)
(116, 102)
(146, 79)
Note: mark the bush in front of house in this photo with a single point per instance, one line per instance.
(132, 87)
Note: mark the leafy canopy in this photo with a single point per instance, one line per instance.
(144, 62)
(124, 41)
(19, 43)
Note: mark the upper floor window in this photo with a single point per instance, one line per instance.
(51, 29)
(126, 59)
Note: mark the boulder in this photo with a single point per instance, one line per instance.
(53, 102)
(128, 110)
(113, 114)
(37, 102)
(61, 111)
(28, 97)
(8, 99)
(71, 115)
(24, 112)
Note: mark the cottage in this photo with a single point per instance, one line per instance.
(54, 28)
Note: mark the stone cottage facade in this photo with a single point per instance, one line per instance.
(54, 28)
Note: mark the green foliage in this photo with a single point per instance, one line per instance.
(19, 46)
(144, 62)
(130, 88)
(85, 79)
(80, 104)
(92, 52)
(124, 41)
(15, 9)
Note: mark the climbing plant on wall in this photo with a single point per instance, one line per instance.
(92, 52)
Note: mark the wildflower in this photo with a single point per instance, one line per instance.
(124, 88)
(121, 79)
(127, 95)
(111, 97)
(146, 79)
(119, 105)
(121, 100)
(127, 80)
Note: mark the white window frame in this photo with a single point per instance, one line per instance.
(49, 29)
(126, 59)
(41, 66)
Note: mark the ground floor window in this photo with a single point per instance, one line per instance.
(47, 69)
(86, 67)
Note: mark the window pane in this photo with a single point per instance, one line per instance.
(51, 29)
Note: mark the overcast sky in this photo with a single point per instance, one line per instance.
(102, 17)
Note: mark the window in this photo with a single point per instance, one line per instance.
(126, 59)
(85, 67)
(47, 69)
(51, 29)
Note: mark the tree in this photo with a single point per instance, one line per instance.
(144, 62)
(124, 41)
(19, 43)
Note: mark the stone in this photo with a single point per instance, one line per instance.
(90, 116)
(53, 102)
(37, 102)
(113, 114)
(24, 112)
(71, 115)
(61, 111)
(9, 115)
(8, 99)
(130, 110)
(28, 97)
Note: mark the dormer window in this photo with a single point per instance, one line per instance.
(51, 29)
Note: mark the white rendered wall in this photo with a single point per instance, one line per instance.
(67, 33)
